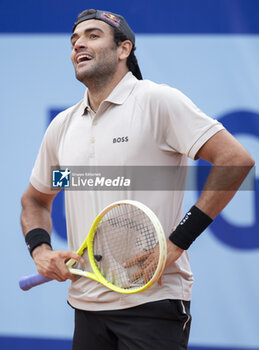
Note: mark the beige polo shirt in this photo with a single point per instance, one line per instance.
(160, 127)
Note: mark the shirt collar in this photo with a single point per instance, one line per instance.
(119, 94)
(123, 89)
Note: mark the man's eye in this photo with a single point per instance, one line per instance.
(73, 42)
(93, 36)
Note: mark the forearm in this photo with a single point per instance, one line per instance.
(231, 164)
(36, 225)
(35, 215)
(230, 167)
(221, 185)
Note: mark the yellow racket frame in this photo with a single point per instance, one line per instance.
(88, 244)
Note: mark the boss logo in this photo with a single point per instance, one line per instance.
(120, 139)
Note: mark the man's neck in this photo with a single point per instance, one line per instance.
(99, 91)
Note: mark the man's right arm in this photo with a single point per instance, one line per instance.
(36, 213)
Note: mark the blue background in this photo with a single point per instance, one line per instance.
(207, 49)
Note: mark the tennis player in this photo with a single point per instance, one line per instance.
(123, 120)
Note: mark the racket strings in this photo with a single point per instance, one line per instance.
(124, 233)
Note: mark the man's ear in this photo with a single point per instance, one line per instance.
(124, 50)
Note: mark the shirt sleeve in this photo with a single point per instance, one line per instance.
(185, 127)
(47, 158)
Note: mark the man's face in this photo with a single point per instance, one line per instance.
(94, 53)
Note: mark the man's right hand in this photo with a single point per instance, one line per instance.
(52, 263)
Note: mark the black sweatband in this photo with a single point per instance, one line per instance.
(36, 237)
(191, 226)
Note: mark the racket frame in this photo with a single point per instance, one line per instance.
(88, 244)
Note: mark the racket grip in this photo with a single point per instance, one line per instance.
(27, 282)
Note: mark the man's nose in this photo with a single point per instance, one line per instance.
(80, 43)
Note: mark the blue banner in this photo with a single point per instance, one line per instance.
(146, 16)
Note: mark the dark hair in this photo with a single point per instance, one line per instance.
(132, 62)
(119, 37)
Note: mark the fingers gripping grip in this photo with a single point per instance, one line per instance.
(27, 282)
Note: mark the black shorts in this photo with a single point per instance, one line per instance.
(160, 325)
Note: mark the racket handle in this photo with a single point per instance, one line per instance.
(27, 282)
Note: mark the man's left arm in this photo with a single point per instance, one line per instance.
(231, 164)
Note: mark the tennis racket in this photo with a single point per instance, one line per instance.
(125, 249)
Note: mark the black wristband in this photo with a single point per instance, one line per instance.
(191, 226)
(36, 237)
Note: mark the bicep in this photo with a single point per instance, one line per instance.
(223, 148)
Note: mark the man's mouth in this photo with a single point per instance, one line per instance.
(83, 58)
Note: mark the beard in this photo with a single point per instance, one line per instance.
(100, 69)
